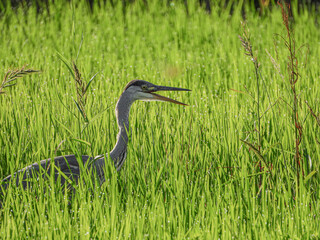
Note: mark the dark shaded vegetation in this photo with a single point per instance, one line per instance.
(260, 6)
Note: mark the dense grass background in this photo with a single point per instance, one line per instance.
(187, 174)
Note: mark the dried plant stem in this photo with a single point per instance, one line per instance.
(12, 75)
(246, 43)
(293, 73)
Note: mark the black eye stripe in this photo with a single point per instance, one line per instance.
(138, 83)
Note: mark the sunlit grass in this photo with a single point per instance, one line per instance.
(187, 174)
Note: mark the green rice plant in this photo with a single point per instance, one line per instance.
(187, 174)
(81, 87)
(81, 92)
(316, 117)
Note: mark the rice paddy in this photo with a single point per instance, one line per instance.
(192, 172)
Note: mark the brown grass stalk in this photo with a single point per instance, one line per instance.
(11, 76)
(246, 44)
(293, 77)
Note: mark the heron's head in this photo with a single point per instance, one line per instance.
(145, 91)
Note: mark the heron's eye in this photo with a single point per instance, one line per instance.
(144, 87)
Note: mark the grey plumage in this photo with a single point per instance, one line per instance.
(69, 165)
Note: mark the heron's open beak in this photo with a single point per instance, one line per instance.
(166, 99)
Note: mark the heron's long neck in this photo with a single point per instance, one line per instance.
(119, 152)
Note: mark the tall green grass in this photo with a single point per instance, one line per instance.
(187, 174)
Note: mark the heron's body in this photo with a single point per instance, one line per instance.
(69, 165)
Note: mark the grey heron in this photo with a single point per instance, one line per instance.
(69, 165)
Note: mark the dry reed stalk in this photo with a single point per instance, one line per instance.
(246, 44)
(293, 76)
(12, 75)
